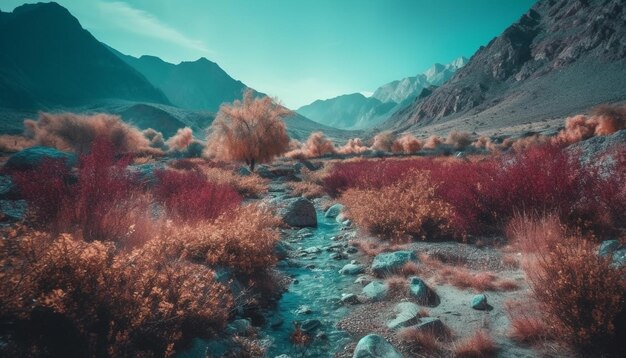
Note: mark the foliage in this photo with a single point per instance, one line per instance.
(188, 196)
(251, 130)
(406, 208)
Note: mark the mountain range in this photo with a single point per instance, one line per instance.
(356, 111)
(562, 57)
(49, 62)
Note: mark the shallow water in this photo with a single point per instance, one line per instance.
(320, 289)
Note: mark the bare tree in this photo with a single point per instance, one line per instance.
(251, 130)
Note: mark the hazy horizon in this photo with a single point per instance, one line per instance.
(300, 51)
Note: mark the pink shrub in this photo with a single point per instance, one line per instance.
(181, 140)
(188, 196)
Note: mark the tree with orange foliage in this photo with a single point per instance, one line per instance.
(251, 130)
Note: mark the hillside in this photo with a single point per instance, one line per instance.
(47, 58)
(197, 85)
(355, 111)
(560, 58)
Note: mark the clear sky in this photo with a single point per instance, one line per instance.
(300, 50)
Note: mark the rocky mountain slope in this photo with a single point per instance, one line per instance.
(355, 111)
(47, 58)
(560, 58)
(197, 85)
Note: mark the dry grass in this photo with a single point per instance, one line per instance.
(252, 186)
(243, 240)
(398, 285)
(464, 278)
(535, 233)
(580, 294)
(425, 341)
(407, 209)
(307, 189)
(479, 345)
(15, 143)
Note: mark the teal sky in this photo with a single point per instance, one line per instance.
(300, 50)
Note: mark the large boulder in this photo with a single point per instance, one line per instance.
(334, 211)
(406, 314)
(32, 157)
(299, 212)
(421, 292)
(352, 269)
(479, 302)
(376, 290)
(391, 262)
(375, 346)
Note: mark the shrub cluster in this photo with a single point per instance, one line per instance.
(60, 296)
(483, 195)
(408, 207)
(189, 196)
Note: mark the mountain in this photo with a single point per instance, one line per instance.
(355, 111)
(561, 57)
(347, 112)
(198, 85)
(47, 58)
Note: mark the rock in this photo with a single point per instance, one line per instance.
(333, 211)
(322, 336)
(363, 280)
(607, 247)
(390, 262)
(7, 188)
(304, 310)
(244, 171)
(350, 298)
(239, 326)
(310, 325)
(374, 346)
(352, 269)
(283, 356)
(407, 313)
(299, 212)
(619, 257)
(432, 325)
(422, 293)
(337, 256)
(376, 290)
(312, 250)
(352, 250)
(340, 218)
(282, 249)
(12, 210)
(276, 323)
(479, 302)
(32, 157)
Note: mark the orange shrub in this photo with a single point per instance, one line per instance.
(426, 340)
(317, 145)
(252, 186)
(73, 132)
(243, 240)
(67, 297)
(307, 190)
(15, 143)
(383, 141)
(407, 143)
(406, 208)
(353, 146)
(479, 345)
(532, 234)
(458, 140)
(181, 140)
(251, 130)
(581, 295)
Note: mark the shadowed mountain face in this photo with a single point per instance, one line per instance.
(198, 85)
(561, 57)
(47, 58)
(355, 111)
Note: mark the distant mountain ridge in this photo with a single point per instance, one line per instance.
(355, 111)
(47, 58)
(197, 85)
(560, 58)
(49, 62)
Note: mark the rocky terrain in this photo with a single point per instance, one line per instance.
(561, 57)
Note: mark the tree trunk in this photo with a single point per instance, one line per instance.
(252, 165)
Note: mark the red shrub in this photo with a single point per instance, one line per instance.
(105, 203)
(188, 196)
(46, 189)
